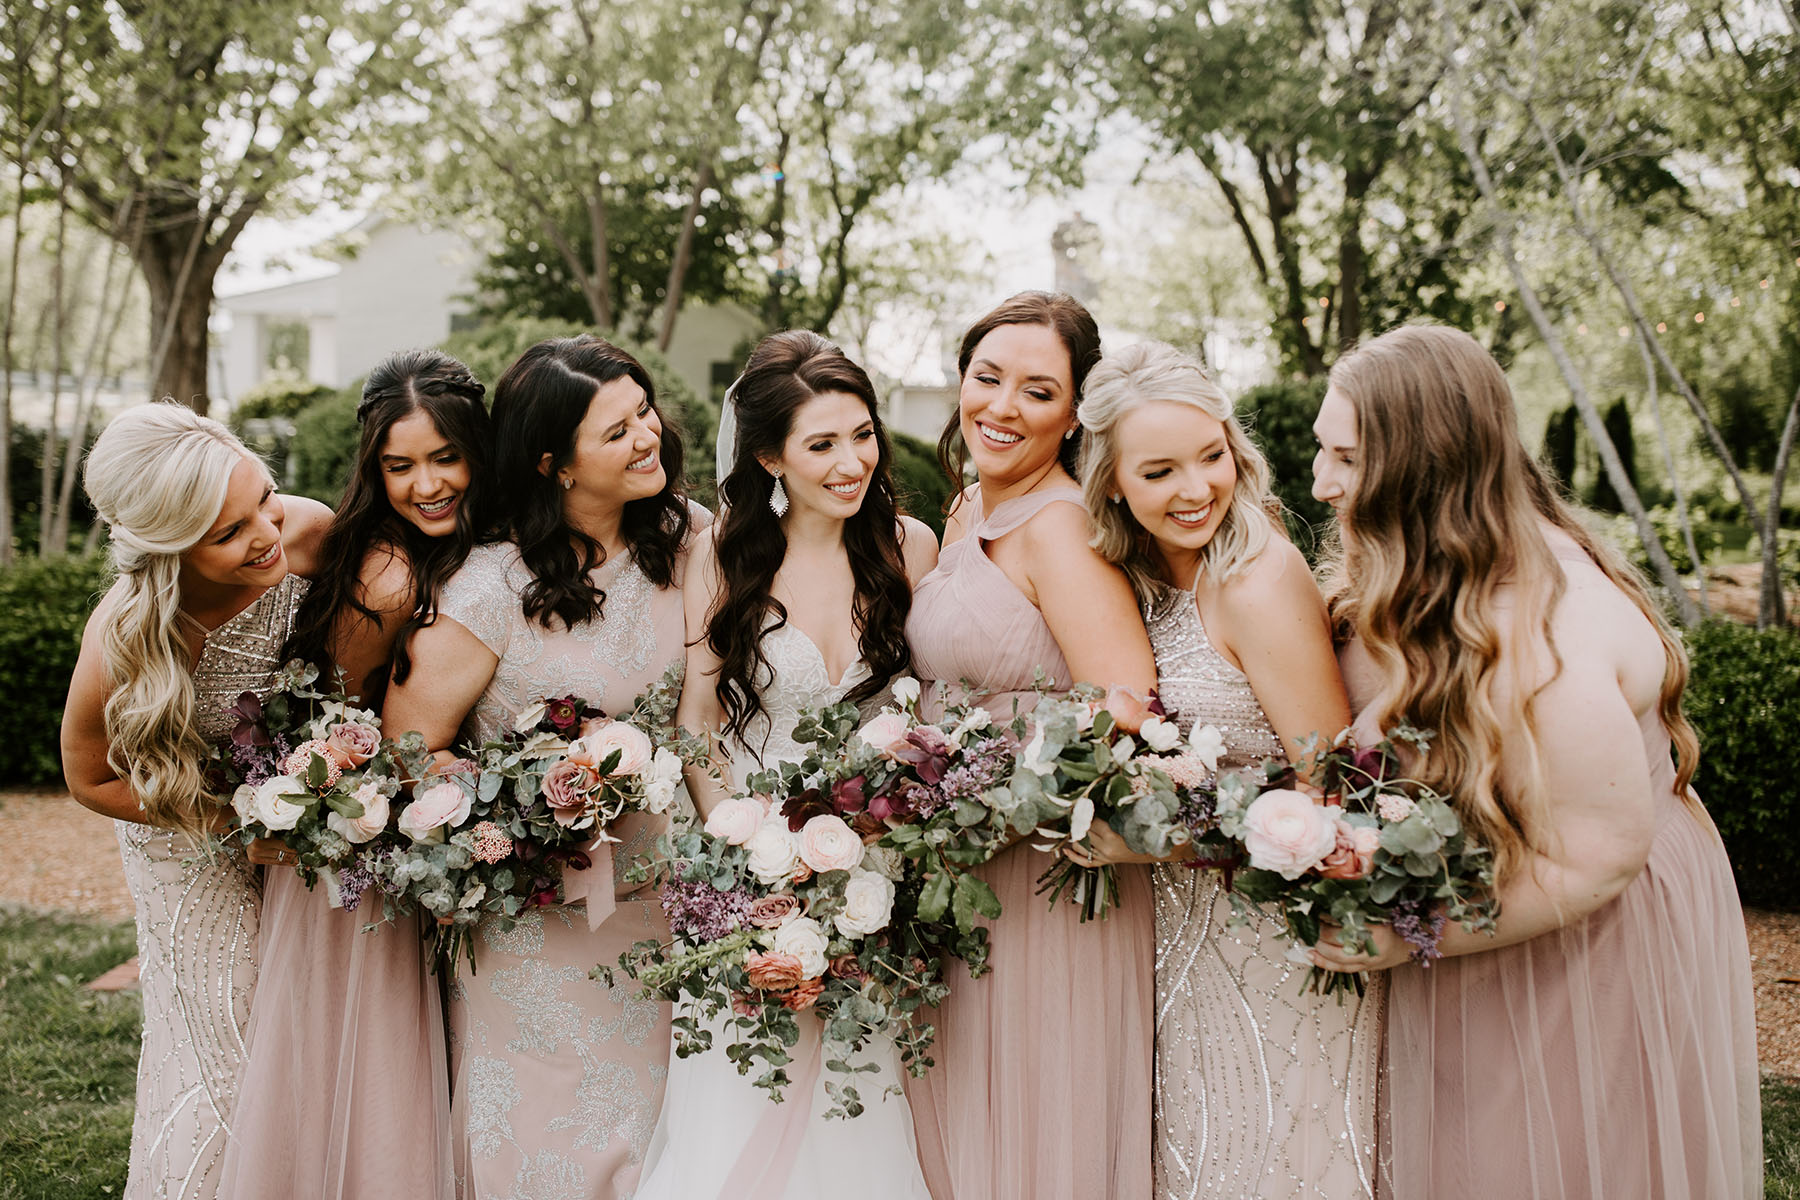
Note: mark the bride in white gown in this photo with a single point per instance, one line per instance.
(797, 598)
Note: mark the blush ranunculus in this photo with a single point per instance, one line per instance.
(1354, 854)
(773, 971)
(635, 750)
(884, 733)
(433, 810)
(1285, 832)
(827, 843)
(351, 744)
(735, 820)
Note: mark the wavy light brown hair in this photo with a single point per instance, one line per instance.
(1447, 509)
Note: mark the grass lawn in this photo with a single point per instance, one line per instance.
(68, 1057)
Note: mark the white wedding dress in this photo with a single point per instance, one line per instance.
(718, 1135)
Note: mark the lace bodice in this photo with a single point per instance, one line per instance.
(798, 679)
(1199, 685)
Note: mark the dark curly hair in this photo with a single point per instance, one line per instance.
(401, 384)
(539, 404)
(1070, 320)
(784, 372)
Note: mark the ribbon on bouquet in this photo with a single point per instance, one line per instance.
(764, 1165)
(592, 884)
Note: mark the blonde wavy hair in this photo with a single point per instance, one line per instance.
(1446, 510)
(1123, 382)
(157, 476)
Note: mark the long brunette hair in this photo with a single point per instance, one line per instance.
(404, 383)
(784, 372)
(539, 404)
(1447, 508)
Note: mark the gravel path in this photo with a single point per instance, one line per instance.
(56, 854)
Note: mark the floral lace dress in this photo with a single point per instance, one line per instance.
(557, 1079)
(197, 929)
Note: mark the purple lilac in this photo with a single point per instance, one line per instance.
(985, 764)
(353, 881)
(703, 912)
(1421, 933)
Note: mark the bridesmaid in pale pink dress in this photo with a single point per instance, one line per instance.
(558, 1079)
(346, 1088)
(1603, 1044)
(1043, 1079)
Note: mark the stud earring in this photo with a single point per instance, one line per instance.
(778, 498)
(1115, 497)
(567, 483)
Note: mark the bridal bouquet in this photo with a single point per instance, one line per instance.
(1080, 767)
(501, 828)
(311, 770)
(1384, 849)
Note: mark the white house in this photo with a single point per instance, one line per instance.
(398, 285)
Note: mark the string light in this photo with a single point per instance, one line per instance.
(1624, 331)
(1700, 318)
(1662, 327)
(1735, 302)
(1499, 306)
(1581, 328)
(1324, 301)
(1764, 285)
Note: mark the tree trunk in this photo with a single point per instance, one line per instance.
(684, 250)
(1283, 201)
(600, 286)
(180, 304)
(1609, 456)
(1772, 609)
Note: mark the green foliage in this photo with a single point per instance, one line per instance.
(1709, 537)
(1744, 699)
(1618, 431)
(1781, 1138)
(43, 605)
(1560, 442)
(324, 445)
(1279, 417)
(278, 398)
(25, 481)
(69, 1058)
(918, 483)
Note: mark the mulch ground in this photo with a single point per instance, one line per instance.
(55, 854)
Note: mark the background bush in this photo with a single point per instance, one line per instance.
(1744, 698)
(43, 605)
(1279, 417)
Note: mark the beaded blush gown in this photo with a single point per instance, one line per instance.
(1262, 1088)
(1042, 1088)
(557, 1079)
(197, 932)
(1611, 1059)
(719, 1137)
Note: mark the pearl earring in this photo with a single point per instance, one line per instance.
(567, 483)
(778, 498)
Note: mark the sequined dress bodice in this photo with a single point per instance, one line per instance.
(1262, 1089)
(198, 916)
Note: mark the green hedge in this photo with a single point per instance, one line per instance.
(1279, 417)
(43, 605)
(1744, 699)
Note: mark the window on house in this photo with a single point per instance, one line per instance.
(289, 348)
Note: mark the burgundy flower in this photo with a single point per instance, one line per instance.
(1155, 707)
(802, 808)
(897, 803)
(563, 714)
(249, 729)
(847, 797)
(928, 750)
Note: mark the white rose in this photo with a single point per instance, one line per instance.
(1208, 745)
(905, 690)
(974, 719)
(884, 860)
(774, 850)
(665, 777)
(270, 806)
(1160, 735)
(868, 904)
(374, 819)
(805, 939)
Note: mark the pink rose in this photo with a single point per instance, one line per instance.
(1285, 832)
(804, 995)
(845, 967)
(565, 789)
(827, 843)
(766, 912)
(735, 820)
(438, 806)
(774, 971)
(885, 733)
(1354, 854)
(454, 767)
(593, 749)
(350, 744)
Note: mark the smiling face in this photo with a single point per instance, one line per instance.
(617, 456)
(243, 546)
(830, 455)
(1176, 474)
(1334, 464)
(425, 476)
(1017, 401)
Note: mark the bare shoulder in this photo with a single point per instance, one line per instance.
(98, 619)
(1279, 575)
(385, 581)
(702, 555)
(956, 524)
(303, 525)
(1058, 533)
(919, 546)
(699, 516)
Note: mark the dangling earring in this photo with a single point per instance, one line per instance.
(567, 482)
(1068, 433)
(1115, 497)
(778, 501)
